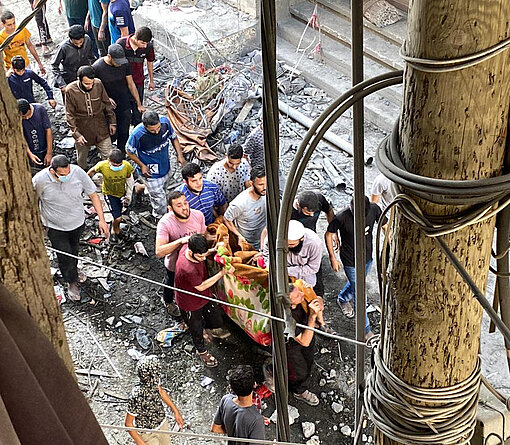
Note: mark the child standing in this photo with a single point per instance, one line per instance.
(116, 171)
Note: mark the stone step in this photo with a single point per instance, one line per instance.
(338, 27)
(379, 110)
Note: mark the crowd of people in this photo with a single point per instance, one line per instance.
(99, 70)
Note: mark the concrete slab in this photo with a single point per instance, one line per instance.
(186, 35)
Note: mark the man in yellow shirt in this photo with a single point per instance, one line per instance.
(116, 171)
(20, 43)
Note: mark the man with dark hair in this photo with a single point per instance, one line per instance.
(236, 415)
(97, 20)
(232, 174)
(173, 231)
(343, 224)
(116, 172)
(21, 82)
(120, 19)
(72, 53)
(139, 48)
(149, 147)
(191, 275)
(115, 73)
(19, 44)
(202, 195)
(37, 133)
(306, 209)
(89, 115)
(60, 189)
(246, 214)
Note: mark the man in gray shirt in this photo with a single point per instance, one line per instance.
(246, 214)
(59, 189)
(236, 415)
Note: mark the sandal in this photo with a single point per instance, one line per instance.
(208, 359)
(347, 308)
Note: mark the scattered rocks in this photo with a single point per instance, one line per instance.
(293, 415)
(322, 382)
(308, 429)
(346, 430)
(313, 441)
(337, 407)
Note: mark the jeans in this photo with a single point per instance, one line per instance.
(42, 24)
(348, 292)
(123, 123)
(210, 316)
(102, 45)
(136, 116)
(67, 241)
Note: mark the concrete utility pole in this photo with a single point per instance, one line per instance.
(24, 265)
(453, 126)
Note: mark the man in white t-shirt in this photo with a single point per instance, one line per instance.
(173, 231)
(382, 191)
(232, 174)
(246, 214)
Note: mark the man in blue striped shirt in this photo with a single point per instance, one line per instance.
(202, 195)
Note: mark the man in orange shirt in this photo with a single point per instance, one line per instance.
(20, 43)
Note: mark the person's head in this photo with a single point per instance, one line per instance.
(198, 247)
(116, 55)
(241, 379)
(60, 167)
(18, 65)
(296, 296)
(150, 120)
(366, 202)
(308, 203)
(178, 204)
(192, 176)
(295, 235)
(116, 160)
(24, 108)
(234, 156)
(149, 370)
(258, 180)
(8, 21)
(86, 76)
(142, 37)
(77, 35)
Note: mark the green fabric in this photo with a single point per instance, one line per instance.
(76, 9)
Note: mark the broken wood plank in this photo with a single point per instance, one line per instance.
(115, 395)
(94, 372)
(248, 105)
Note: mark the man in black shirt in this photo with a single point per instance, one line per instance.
(306, 209)
(115, 73)
(343, 224)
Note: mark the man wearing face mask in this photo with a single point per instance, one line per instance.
(305, 252)
(116, 171)
(115, 73)
(59, 189)
(89, 115)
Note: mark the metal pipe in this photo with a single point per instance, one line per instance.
(359, 203)
(336, 179)
(270, 118)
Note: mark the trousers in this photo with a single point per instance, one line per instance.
(123, 123)
(299, 365)
(157, 187)
(67, 241)
(42, 24)
(209, 316)
(104, 148)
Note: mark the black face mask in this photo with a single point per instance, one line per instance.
(297, 249)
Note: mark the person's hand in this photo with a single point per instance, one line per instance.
(141, 108)
(101, 34)
(314, 307)
(63, 90)
(152, 85)
(114, 104)
(86, 26)
(59, 9)
(81, 140)
(52, 103)
(42, 69)
(335, 264)
(104, 229)
(145, 171)
(179, 419)
(47, 159)
(184, 239)
(181, 160)
(113, 129)
(34, 158)
(125, 201)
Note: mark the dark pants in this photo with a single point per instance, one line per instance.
(319, 286)
(210, 316)
(136, 116)
(168, 294)
(67, 241)
(102, 45)
(299, 364)
(81, 21)
(42, 24)
(123, 123)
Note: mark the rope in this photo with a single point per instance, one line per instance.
(196, 435)
(214, 300)
(450, 65)
(416, 415)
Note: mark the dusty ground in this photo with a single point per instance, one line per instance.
(93, 335)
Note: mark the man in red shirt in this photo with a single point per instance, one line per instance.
(138, 47)
(191, 275)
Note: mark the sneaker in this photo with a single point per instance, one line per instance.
(346, 307)
(73, 291)
(173, 310)
(307, 397)
(114, 238)
(220, 333)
